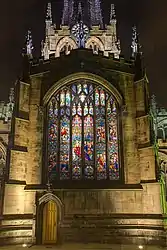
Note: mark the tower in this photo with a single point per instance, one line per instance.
(95, 36)
(79, 169)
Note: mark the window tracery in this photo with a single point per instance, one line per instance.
(83, 134)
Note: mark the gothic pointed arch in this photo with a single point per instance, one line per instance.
(51, 197)
(83, 75)
(64, 44)
(95, 44)
(83, 129)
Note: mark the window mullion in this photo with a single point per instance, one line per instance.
(107, 133)
(70, 156)
(58, 140)
(82, 146)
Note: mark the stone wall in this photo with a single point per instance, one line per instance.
(130, 154)
(92, 215)
(109, 215)
(35, 134)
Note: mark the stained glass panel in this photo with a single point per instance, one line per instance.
(83, 133)
(68, 98)
(112, 141)
(62, 98)
(96, 97)
(76, 147)
(102, 97)
(52, 139)
(101, 149)
(88, 147)
(64, 148)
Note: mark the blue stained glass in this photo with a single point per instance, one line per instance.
(85, 88)
(74, 88)
(62, 111)
(64, 148)
(55, 111)
(68, 98)
(85, 109)
(100, 130)
(88, 138)
(112, 141)
(90, 88)
(98, 111)
(96, 97)
(76, 146)
(83, 120)
(91, 109)
(79, 109)
(52, 140)
(102, 111)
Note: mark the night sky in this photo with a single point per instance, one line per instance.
(16, 17)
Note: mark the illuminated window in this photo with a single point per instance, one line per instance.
(83, 133)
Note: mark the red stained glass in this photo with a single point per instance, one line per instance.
(83, 133)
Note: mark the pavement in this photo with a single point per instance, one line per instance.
(83, 247)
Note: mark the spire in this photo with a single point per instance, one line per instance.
(29, 45)
(49, 12)
(65, 17)
(95, 13)
(112, 14)
(68, 11)
(71, 12)
(79, 10)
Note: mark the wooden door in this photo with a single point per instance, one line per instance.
(49, 230)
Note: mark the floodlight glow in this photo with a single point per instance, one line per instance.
(140, 247)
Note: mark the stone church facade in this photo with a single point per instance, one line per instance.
(79, 155)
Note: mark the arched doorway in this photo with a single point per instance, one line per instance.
(49, 215)
(50, 218)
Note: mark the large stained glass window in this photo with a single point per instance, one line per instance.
(83, 133)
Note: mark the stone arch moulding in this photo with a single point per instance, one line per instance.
(2, 158)
(83, 75)
(95, 40)
(51, 197)
(64, 41)
(2, 148)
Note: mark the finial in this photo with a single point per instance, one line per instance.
(29, 45)
(112, 14)
(137, 55)
(49, 12)
(49, 187)
(135, 42)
